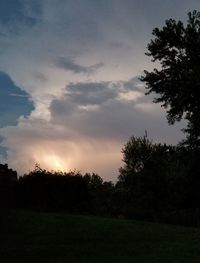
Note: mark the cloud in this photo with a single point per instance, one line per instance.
(90, 92)
(114, 116)
(69, 64)
(84, 111)
(85, 132)
(14, 102)
(58, 147)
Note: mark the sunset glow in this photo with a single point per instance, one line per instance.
(53, 162)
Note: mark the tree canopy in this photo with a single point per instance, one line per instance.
(176, 81)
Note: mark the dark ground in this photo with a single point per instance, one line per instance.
(27, 237)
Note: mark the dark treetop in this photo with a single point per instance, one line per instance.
(177, 80)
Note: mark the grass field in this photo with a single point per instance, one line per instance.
(27, 237)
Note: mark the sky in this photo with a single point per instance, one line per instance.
(70, 97)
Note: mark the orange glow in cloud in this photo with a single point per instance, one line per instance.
(54, 162)
(102, 157)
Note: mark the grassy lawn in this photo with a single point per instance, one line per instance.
(27, 237)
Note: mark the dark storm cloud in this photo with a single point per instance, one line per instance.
(14, 102)
(69, 64)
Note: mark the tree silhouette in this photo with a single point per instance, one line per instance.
(53, 191)
(8, 180)
(153, 179)
(176, 81)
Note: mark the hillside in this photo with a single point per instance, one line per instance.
(41, 237)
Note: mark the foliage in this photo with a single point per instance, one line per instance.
(8, 180)
(100, 194)
(136, 152)
(59, 191)
(44, 190)
(153, 183)
(154, 177)
(157, 182)
(177, 82)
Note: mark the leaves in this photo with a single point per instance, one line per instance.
(177, 83)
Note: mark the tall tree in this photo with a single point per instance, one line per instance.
(176, 81)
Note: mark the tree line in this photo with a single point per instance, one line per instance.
(157, 182)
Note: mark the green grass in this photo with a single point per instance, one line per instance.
(27, 237)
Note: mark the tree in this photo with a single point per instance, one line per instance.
(176, 81)
(153, 178)
(8, 180)
(135, 152)
(53, 191)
